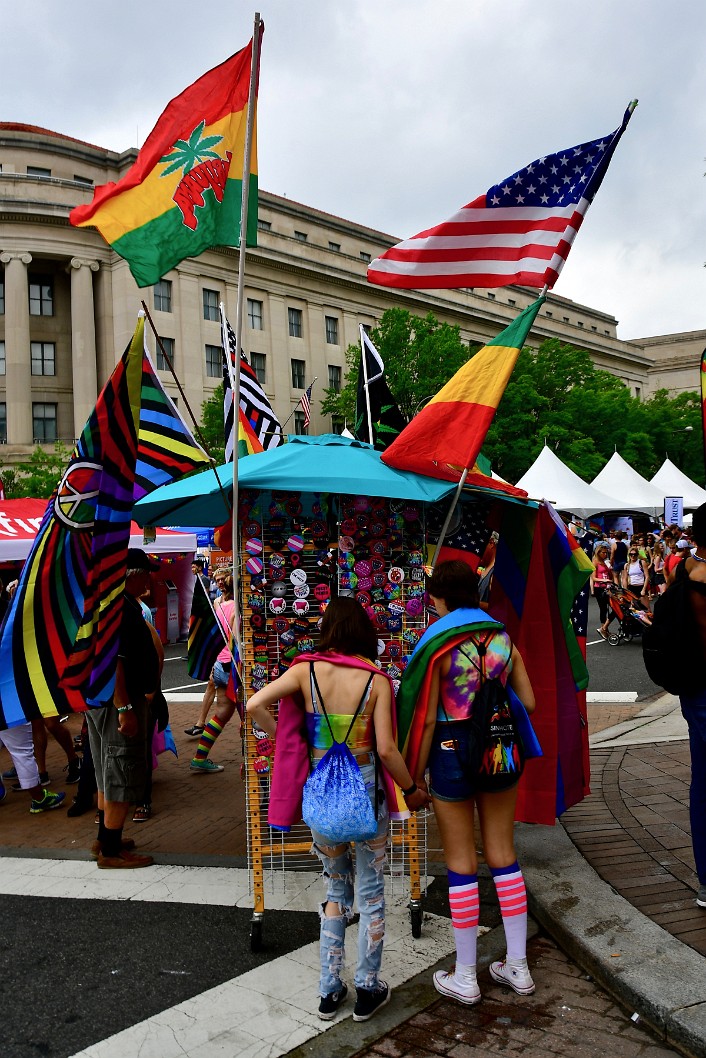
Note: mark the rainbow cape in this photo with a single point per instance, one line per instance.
(184, 192)
(413, 696)
(447, 434)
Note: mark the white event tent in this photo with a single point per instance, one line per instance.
(671, 481)
(636, 493)
(550, 479)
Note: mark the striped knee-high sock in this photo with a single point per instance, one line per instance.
(510, 886)
(465, 912)
(210, 733)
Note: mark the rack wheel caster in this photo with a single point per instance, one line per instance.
(256, 933)
(415, 913)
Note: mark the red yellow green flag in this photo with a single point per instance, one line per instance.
(184, 192)
(447, 434)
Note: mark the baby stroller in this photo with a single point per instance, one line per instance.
(632, 615)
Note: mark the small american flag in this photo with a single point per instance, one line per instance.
(306, 406)
(519, 231)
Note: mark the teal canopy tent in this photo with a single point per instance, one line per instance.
(328, 463)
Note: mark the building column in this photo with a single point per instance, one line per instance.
(83, 340)
(18, 381)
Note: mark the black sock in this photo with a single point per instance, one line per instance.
(111, 841)
(101, 825)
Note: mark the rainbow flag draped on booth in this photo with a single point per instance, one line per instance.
(59, 642)
(447, 434)
(184, 192)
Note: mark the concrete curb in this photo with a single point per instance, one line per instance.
(635, 960)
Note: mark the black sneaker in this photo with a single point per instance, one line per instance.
(330, 1005)
(44, 780)
(73, 770)
(368, 1002)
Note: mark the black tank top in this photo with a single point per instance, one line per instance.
(621, 551)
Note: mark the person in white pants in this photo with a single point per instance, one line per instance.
(18, 743)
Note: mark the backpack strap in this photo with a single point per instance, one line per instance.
(482, 648)
(316, 690)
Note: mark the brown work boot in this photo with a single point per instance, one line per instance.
(126, 845)
(124, 862)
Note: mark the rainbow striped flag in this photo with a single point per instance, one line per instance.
(184, 192)
(447, 434)
(248, 443)
(205, 639)
(59, 642)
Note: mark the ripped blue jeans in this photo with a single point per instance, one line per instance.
(339, 875)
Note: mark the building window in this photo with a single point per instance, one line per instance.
(44, 423)
(85, 180)
(3, 423)
(163, 295)
(550, 314)
(365, 256)
(255, 314)
(334, 378)
(214, 361)
(298, 368)
(168, 344)
(335, 246)
(41, 296)
(300, 236)
(295, 323)
(43, 358)
(38, 170)
(3, 363)
(580, 323)
(565, 319)
(593, 328)
(332, 330)
(299, 427)
(338, 424)
(210, 305)
(264, 225)
(638, 392)
(491, 295)
(2, 294)
(511, 301)
(258, 362)
(367, 327)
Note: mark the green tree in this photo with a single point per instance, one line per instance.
(212, 427)
(420, 355)
(39, 475)
(557, 396)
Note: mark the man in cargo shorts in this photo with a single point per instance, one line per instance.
(118, 732)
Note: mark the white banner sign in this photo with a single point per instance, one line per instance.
(673, 510)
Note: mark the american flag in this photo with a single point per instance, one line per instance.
(520, 231)
(468, 533)
(306, 406)
(253, 403)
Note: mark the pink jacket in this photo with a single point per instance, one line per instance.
(291, 765)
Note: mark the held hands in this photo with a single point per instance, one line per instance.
(420, 798)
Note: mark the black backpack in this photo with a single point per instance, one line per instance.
(672, 648)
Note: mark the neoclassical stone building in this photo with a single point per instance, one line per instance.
(68, 304)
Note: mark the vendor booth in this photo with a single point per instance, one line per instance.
(323, 516)
(171, 588)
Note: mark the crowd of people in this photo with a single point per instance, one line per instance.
(641, 564)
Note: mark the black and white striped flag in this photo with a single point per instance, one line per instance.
(253, 403)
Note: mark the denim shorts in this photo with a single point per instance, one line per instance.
(449, 762)
(221, 673)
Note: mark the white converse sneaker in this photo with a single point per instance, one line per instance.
(513, 973)
(465, 991)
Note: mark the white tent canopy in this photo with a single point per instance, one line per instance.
(671, 481)
(636, 493)
(549, 478)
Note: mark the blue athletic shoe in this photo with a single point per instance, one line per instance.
(3, 792)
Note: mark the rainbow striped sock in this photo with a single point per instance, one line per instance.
(210, 733)
(465, 912)
(510, 886)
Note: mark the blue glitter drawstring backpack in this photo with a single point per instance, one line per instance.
(335, 802)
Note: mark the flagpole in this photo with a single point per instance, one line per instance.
(449, 515)
(364, 358)
(247, 153)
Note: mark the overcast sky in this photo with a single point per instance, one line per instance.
(393, 113)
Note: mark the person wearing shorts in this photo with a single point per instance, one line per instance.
(118, 732)
(446, 748)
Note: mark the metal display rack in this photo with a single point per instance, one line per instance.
(296, 551)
